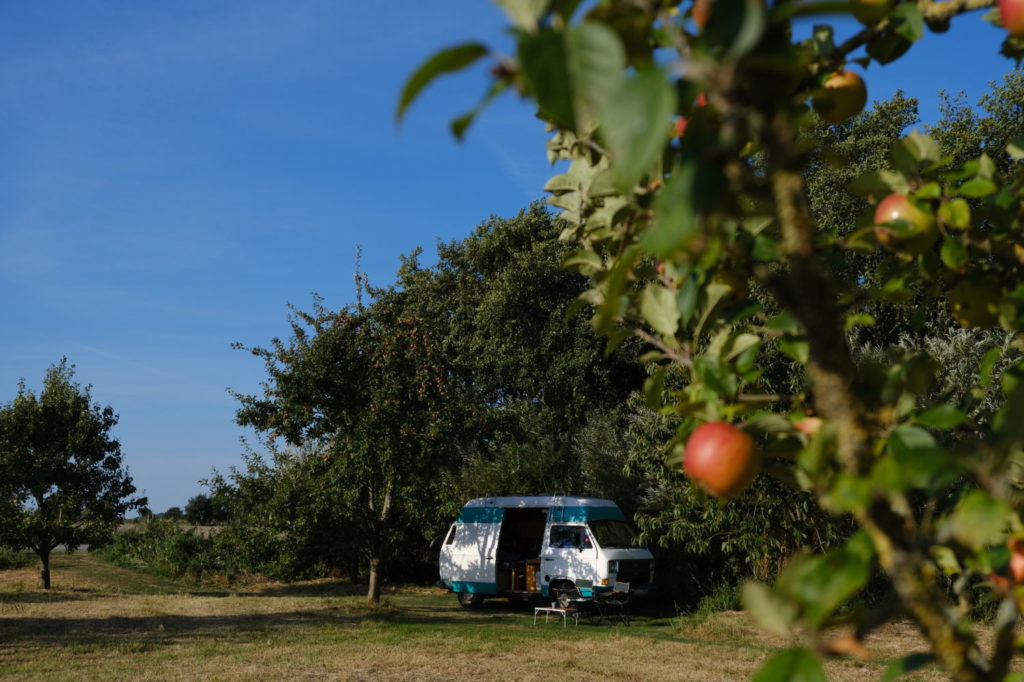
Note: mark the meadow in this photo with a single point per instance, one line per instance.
(101, 622)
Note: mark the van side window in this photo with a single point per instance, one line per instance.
(569, 536)
(451, 534)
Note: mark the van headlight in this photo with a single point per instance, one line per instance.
(613, 567)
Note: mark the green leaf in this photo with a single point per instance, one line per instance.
(914, 151)
(771, 610)
(978, 520)
(978, 187)
(675, 225)
(1016, 148)
(986, 167)
(736, 26)
(658, 308)
(524, 13)
(922, 463)
(460, 124)
(766, 249)
(822, 583)
(905, 665)
(597, 61)
(585, 261)
(943, 417)
(654, 389)
(719, 379)
(945, 558)
(687, 298)
(908, 21)
(988, 364)
(880, 183)
(785, 322)
(544, 60)
(791, 665)
(859, 320)
(634, 124)
(954, 254)
(888, 47)
(956, 213)
(740, 344)
(770, 423)
(932, 190)
(797, 349)
(446, 61)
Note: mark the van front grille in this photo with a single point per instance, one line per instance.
(635, 571)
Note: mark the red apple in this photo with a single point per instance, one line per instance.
(701, 12)
(842, 96)
(1017, 559)
(809, 425)
(721, 459)
(922, 232)
(680, 126)
(1011, 13)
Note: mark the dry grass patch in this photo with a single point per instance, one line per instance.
(105, 623)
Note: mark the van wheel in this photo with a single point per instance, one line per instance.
(470, 600)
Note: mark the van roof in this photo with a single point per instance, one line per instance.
(526, 502)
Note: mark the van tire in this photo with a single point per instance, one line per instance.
(470, 600)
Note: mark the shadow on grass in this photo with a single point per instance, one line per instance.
(51, 597)
(178, 629)
(170, 629)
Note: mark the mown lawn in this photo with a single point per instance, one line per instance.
(100, 622)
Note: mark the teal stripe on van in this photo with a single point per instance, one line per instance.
(580, 514)
(481, 515)
(474, 588)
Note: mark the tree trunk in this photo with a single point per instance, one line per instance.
(380, 549)
(44, 568)
(834, 377)
(376, 578)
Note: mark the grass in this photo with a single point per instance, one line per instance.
(101, 622)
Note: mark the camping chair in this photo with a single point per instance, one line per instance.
(616, 601)
(573, 598)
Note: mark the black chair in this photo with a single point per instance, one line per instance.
(616, 602)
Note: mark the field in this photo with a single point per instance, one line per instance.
(100, 622)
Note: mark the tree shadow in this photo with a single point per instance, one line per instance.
(170, 629)
(50, 597)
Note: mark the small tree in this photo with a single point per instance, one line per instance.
(65, 484)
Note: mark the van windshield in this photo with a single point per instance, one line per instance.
(613, 534)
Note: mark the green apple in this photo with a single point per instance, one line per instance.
(841, 97)
(870, 12)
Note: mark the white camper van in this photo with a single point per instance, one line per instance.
(524, 547)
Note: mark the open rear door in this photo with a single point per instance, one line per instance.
(469, 559)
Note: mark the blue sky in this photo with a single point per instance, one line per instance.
(174, 173)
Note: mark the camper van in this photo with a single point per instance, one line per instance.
(526, 547)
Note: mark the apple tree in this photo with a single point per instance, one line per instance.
(63, 478)
(684, 136)
(366, 389)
